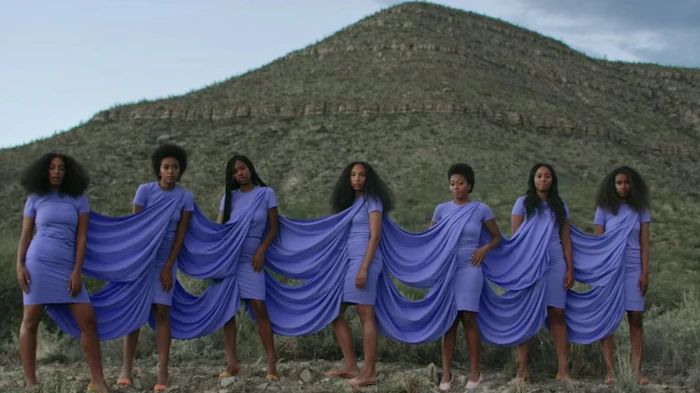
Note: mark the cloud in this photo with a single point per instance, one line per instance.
(641, 30)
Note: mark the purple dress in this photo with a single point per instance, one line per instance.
(632, 257)
(150, 194)
(251, 283)
(51, 255)
(358, 239)
(468, 278)
(555, 292)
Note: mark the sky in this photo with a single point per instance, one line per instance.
(63, 61)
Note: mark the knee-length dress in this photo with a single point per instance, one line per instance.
(358, 239)
(50, 258)
(468, 279)
(632, 256)
(251, 283)
(150, 194)
(555, 292)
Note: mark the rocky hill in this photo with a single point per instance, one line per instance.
(412, 89)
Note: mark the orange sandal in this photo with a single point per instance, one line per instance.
(123, 383)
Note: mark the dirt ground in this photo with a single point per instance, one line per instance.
(296, 377)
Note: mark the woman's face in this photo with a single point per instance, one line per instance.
(459, 187)
(169, 171)
(543, 179)
(241, 172)
(358, 177)
(622, 185)
(57, 171)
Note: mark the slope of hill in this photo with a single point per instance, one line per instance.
(413, 89)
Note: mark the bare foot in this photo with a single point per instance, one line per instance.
(342, 373)
(272, 366)
(563, 378)
(361, 381)
(643, 380)
(609, 378)
(521, 378)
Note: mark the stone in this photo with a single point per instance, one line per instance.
(305, 375)
(228, 381)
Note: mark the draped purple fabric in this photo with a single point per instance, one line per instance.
(598, 262)
(120, 251)
(306, 266)
(516, 269)
(423, 260)
(305, 270)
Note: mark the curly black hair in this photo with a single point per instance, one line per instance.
(165, 151)
(533, 202)
(232, 184)
(638, 198)
(465, 170)
(35, 178)
(343, 194)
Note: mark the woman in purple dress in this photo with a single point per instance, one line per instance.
(244, 191)
(542, 197)
(169, 162)
(468, 272)
(49, 263)
(624, 192)
(359, 184)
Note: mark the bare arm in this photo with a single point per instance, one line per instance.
(375, 233)
(515, 221)
(495, 241)
(644, 248)
(136, 208)
(598, 229)
(273, 224)
(25, 238)
(565, 236)
(74, 284)
(166, 272)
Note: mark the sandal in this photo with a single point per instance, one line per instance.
(159, 388)
(123, 383)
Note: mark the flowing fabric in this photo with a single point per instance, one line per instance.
(306, 266)
(598, 262)
(517, 267)
(311, 256)
(211, 251)
(423, 260)
(126, 262)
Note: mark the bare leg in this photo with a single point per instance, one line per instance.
(471, 331)
(370, 338)
(608, 345)
(128, 353)
(557, 326)
(31, 315)
(265, 332)
(343, 334)
(84, 315)
(637, 343)
(230, 331)
(161, 314)
(449, 340)
(523, 374)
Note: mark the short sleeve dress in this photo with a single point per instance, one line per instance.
(51, 255)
